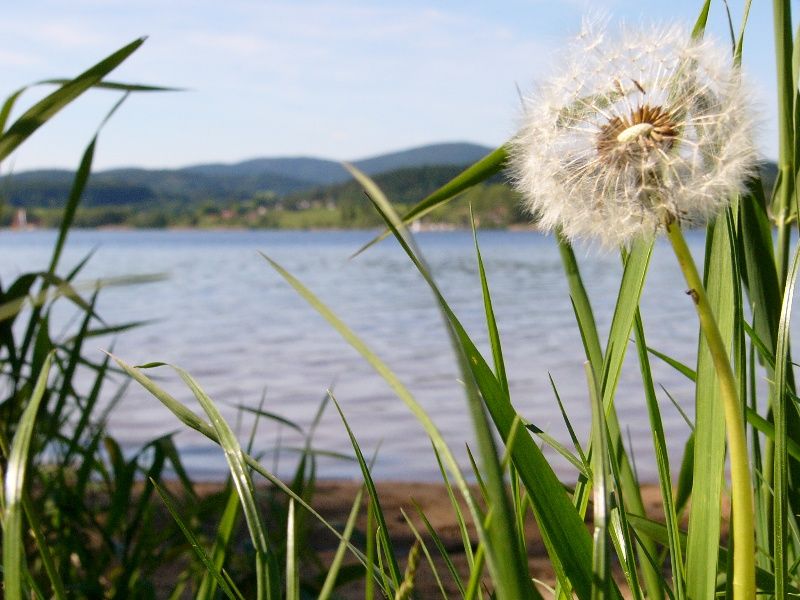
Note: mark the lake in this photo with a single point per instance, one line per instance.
(225, 316)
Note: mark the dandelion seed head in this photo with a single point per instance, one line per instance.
(634, 130)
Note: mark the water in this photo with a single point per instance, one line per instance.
(226, 317)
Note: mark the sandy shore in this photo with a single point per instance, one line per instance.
(334, 499)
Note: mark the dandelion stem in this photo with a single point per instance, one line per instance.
(741, 491)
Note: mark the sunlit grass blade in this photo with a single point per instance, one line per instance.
(437, 541)
(193, 421)
(561, 527)
(582, 307)
(700, 24)
(683, 487)
(221, 433)
(780, 407)
(14, 491)
(76, 191)
(491, 322)
(292, 568)
(505, 560)
(42, 111)
(765, 353)
(737, 51)
(476, 574)
(657, 531)
(607, 373)
(424, 547)
(11, 100)
(635, 267)
(69, 291)
(118, 86)
(782, 205)
(329, 584)
(636, 263)
(390, 378)
(225, 529)
(762, 425)
(260, 412)
(225, 584)
(490, 165)
(709, 437)
(567, 422)
(601, 567)
(384, 539)
(548, 439)
(760, 274)
(266, 570)
(457, 511)
(662, 463)
(680, 367)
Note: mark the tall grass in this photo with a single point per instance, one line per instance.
(58, 462)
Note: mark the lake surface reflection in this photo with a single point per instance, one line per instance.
(225, 316)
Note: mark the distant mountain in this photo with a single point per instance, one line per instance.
(317, 171)
(424, 156)
(326, 172)
(284, 177)
(238, 181)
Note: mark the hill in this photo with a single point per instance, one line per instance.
(219, 182)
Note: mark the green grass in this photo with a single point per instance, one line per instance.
(83, 518)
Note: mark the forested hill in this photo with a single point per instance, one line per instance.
(220, 182)
(318, 194)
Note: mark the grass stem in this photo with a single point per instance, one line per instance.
(741, 491)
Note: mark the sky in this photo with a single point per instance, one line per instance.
(341, 80)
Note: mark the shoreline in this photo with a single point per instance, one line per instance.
(399, 500)
(434, 228)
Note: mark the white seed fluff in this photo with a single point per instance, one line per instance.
(631, 132)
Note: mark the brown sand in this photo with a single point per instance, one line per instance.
(334, 499)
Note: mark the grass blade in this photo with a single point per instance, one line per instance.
(45, 109)
(506, 562)
(292, 569)
(601, 568)
(208, 585)
(582, 307)
(700, 25)
(266, 575)
(636, 264)
(662, 463)
(333, 569)
(491, 322)
(780, 483)
(421, 544)
(14, 490)
(382, 369)
(709, 437)
(377, 510)
(561, 527)
(437, 541)
(490, 165)
(227, 586)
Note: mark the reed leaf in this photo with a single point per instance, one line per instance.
(45, 109)
(491, 164)
(15, 484)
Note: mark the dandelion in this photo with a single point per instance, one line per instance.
(650, 127)
(651, 130)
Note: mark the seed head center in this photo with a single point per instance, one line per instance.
(633, 135)
(635, 131)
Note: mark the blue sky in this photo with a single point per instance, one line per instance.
(341, 80)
